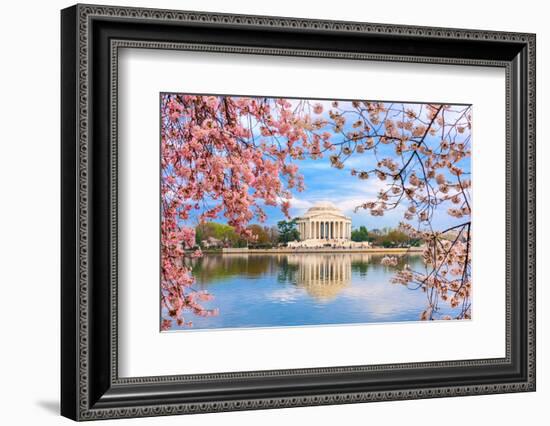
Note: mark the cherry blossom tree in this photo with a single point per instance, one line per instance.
(422, 154)
(222, 156)
(229, 156)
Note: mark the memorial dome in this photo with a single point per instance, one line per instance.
(324, 207)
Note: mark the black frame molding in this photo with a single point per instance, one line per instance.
(91, 36)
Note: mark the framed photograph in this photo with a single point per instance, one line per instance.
(263, 212)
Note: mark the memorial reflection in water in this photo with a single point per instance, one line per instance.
(298, 289)
(323, 276)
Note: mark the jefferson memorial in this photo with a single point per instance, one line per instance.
(324, 225)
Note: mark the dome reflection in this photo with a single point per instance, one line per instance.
(324, 275)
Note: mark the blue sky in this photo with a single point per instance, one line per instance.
(325, 183)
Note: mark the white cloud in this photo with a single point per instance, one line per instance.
(300, 203)
(298, 206)
(285, 295)
(347, 196)
(361, 162)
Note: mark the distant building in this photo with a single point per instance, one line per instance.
(212, 242)
(324, 225)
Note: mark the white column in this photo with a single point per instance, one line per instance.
(318, 229)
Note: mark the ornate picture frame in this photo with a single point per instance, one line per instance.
(91, 37)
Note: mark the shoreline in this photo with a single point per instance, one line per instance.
(377, 250)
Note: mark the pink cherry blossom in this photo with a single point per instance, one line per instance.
(226, 157)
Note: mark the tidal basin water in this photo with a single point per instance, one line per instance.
(280, 290)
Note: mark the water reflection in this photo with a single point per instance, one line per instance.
(252, 290)
(324, 275)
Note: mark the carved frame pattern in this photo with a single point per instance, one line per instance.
(86, 409)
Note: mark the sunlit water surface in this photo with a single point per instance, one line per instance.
(280, 290)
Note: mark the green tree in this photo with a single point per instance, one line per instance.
(287, 231)
(220, 231)
(360, 235)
